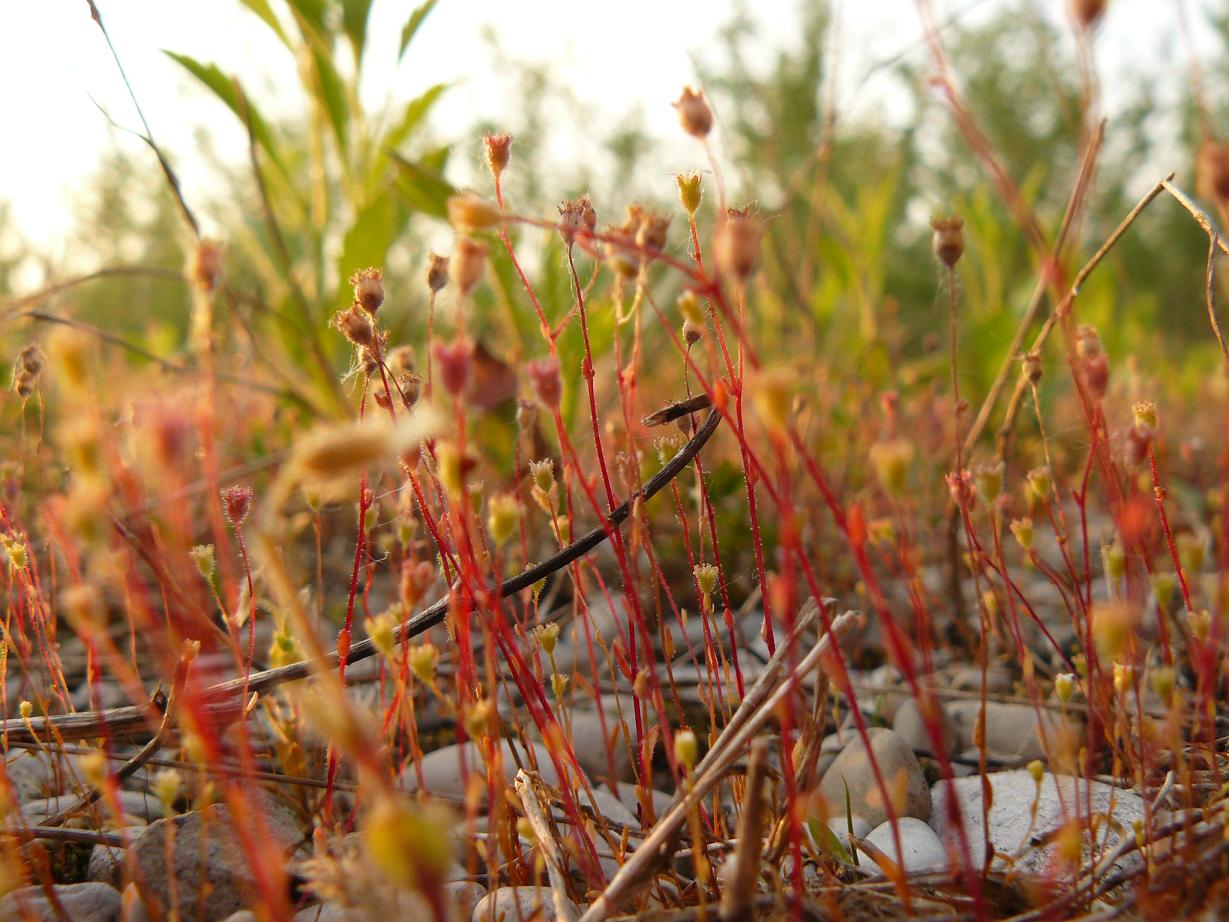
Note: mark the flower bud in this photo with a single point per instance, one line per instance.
(236, 503)
(205, 265)
(203, 556)
(368, 289)
(16, 552)
(1064, 685)
(543, 474)
(1038, 485)
(470, 213)
(548, 637)
(1022, 529)
(948, 241)
(686, 749)
(498, 152)
(1212, 171)
(694, 114)
(423, 660)
(576, 217)
(692, 334)
(545, 380)
(1085, 13)
(437, 272)
(990, 479)
(466, 265)
(355, 324)
(736, 244)
(1037, 771)
(1093, 362)
(503, 517)
(689, 191)
(25, 709)
(455, 363)
(1032, 367)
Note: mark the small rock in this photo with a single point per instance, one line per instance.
(626, 794)
(442, 768)
(328, 912)
(462, 896)
(88, 902)
(901, 772)
(1061, 799)
(243, 915)
(590, 744)
(107, 861)
(908, 723)
(840, 828)
(920, 846)
(508, 903)
(998, 680)
(1013, 731)
(207, 864)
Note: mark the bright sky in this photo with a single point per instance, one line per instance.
(634, 54)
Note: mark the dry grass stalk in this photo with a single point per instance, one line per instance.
(740, 890)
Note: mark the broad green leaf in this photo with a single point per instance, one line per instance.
(367, 241)
(422, 186)
(354, 15)
(226, 89)
(412, 25)
(412, 115)
(331, 94)
(827, 841)
(262, 9)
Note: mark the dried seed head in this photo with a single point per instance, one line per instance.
(548, 636)
(1064, 685)
(1038, 484)
(526, 414)
(1114, 560)
(368, 289)
(1032, 367)
(736, 244)
(337, 450)
(706, 578)
(1124, 677)
(576, 217)
(948, 241)
(469, 212)
(410, 844)
(498, 152)
(689, 191)
(694, 113)
(543, 474)
(1143, 413)
(1212, 171)
(546, 382)
(423, 660)
(651, 234)
(466, 265)
(1093, 361)
(960, 486)
(355, 324)
(691, 333)
(989, 478)
(455, 363)
(205, 265)
(236, 504)
(437, 271)
(16, 552)
(1113, 627)
(26, 370)
(1085, 13)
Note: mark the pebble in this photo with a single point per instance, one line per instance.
(442, 769)
(899, 768)
(590, 743)
(137, 809)
(34, 775)
(998, 680)
(921, 847)
(908, 723)
(1013, 731)
(508, 903)
(87, 902)
(1062, 798)
(107, 861)
(204, 849)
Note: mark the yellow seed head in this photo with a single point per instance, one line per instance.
(1022, 529)
(503, 518)
(1124, 677)
(689, 191)
(423, 660)
(548, 637)
(559, 685)
(686, 748)
(206, 563)
(166, 787)
(412, 846)
(1064, 685)
(1037, 770)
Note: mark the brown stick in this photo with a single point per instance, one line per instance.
(740, 892)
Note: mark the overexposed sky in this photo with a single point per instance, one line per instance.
(626, 56)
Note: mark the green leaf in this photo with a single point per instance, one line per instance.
(262, 9)
(412, 24)
(422, 186)
(331, 94)
(412, 115)
(311, 11)
(849, 821)
(354, 15)
(369, 238)
(827, 841)
(227, 90)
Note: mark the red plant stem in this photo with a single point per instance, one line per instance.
(1158, 493)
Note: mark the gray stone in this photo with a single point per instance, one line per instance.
(34, 775)
(998, 680)
(908, 723)
(1013, 731)
(87, 902)
(462, 896)
(511, 903)
(442, 769)
(207, 865)
(591, 745)
(626, 794)
(901, 772)
(920, 846)
(137, 809)
(107, 861)
(1060, 799)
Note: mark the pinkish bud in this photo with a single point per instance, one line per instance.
(547, 385)
(694, 114)
(498, 152)
(368, 289)
(454, 363)
(236, 503)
